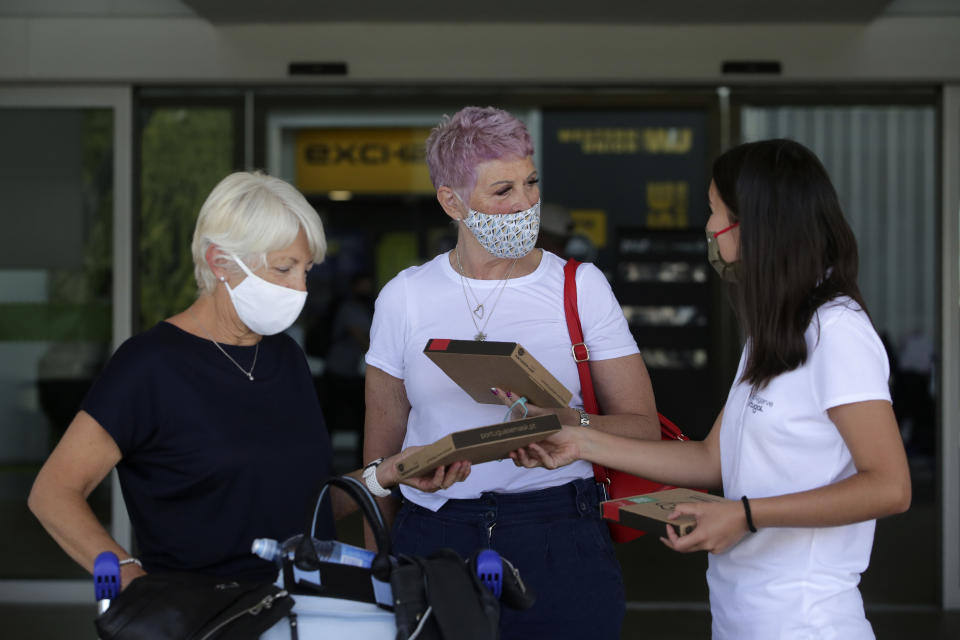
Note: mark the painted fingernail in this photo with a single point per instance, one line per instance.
(493, 391)
(509, 395)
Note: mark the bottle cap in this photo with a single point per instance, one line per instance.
(266, 548)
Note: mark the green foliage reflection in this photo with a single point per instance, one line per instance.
(185, 152)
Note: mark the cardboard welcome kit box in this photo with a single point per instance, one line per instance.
(482, 444)
(477, 366)
(648, 512)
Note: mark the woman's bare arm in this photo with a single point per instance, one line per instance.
(81, 460)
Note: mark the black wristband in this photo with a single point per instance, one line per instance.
(746, 508)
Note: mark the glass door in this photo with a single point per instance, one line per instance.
(65, 304)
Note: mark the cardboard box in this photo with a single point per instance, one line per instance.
(476, 366)
(482, 444)
(648, 512)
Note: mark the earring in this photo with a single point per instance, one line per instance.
(222, 279)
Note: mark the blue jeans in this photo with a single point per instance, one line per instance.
(556, 539)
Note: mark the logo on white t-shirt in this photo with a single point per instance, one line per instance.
(756, 402)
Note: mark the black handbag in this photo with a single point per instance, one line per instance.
(441, 597)
(192, 606)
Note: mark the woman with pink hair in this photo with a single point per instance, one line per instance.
(495, 286)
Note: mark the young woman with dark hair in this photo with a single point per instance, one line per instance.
(806, 448)
(797, 252)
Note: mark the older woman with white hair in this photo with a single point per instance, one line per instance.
(210, 417)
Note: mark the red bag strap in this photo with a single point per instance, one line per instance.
(581, 355)
(670, 431)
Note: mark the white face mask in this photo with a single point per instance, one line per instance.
(265, 308)
(507, 235)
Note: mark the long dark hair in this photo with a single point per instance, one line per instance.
(796, 250)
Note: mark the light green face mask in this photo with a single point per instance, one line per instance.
(728, 271)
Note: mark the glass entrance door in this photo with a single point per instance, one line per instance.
(64, 306)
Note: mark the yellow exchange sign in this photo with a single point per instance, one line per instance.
(373, 160)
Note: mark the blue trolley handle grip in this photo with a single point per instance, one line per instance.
(490, 571)
(106, 577)
(503, 580)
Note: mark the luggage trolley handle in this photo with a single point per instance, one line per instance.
(106, 579)
(503, 580)
(380, 567)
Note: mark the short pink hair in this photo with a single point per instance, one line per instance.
(470, 137)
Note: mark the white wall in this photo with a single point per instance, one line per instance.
(186, 49)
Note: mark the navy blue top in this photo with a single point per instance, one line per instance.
(212, 460)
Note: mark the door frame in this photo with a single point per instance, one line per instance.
(950, 339)
(119, 100)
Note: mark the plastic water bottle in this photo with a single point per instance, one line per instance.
(327, 551)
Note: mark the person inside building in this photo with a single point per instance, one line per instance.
(493, 285)
(343, 373)
(211, 417)
(559, 236)
(806, 448)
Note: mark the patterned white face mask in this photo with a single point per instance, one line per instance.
(506, 235)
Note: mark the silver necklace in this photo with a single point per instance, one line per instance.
(479, 309)
(256, 351)
(474, 315)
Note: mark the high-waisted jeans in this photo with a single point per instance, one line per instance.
(556, 539)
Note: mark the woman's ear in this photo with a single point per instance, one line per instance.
(210, 255)
(451, 203)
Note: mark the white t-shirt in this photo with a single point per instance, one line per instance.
(430, 301)
(797, 583)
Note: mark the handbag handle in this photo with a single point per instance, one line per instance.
(361, 496)
(600, 473)
(668, 430)
(581, 354)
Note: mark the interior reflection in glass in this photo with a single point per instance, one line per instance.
(675, 358)
(663, 272)
(664, 316)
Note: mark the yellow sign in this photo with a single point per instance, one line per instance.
(591, 223)
(627, 140)
(374, 160)
(667, 205)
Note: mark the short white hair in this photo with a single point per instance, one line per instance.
(250, 215)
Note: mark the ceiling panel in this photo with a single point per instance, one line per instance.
(565, 11)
